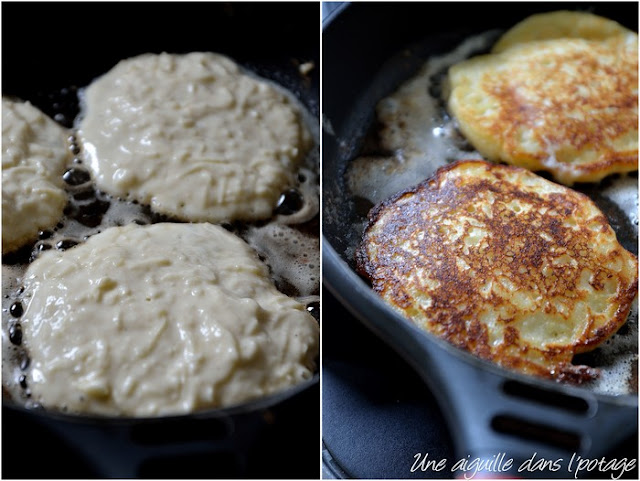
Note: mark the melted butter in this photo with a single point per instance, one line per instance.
(416, 130)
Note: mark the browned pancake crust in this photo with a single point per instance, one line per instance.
(567, 106)
(440, 283)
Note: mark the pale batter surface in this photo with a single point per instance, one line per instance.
(34, 155)
(193, 136)
(161, 319)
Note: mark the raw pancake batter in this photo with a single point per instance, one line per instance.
(161, 319)
(193, 136)
(34, 155)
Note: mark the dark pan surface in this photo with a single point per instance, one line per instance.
(70, 44)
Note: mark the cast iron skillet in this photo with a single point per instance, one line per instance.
(48, 47)
(489, 410)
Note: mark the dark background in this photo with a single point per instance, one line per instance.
(47, 46)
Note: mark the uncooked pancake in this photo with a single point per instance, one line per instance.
(34, 155)
(160, 319)
(503, 263)
(568, 106)
(559, 24)
(192, 136)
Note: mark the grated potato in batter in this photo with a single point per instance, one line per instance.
(161, 319)
(34, 155)
(192, 136)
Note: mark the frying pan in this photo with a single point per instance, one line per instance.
(368, 50)
(49, 47)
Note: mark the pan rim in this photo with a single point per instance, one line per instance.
(253, 406)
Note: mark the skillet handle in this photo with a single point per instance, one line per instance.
(488, 413)
(545, 432)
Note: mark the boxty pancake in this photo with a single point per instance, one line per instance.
(503, 263)
(568, 106)
(559, 24)
(193, 136)
(35, 153)
(158, 320)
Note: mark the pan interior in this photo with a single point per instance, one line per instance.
(351, 134)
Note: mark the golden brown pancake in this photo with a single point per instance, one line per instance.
(503, 263)
(568, 106)
(559, 24)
